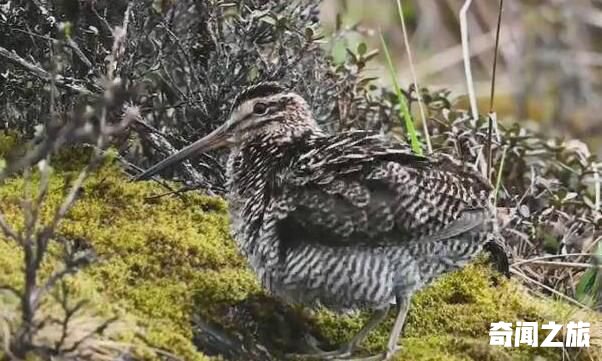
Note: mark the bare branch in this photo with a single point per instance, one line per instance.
(80, 54)
(70, 83)
(98, 330)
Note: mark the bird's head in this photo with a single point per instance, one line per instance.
(266, 112)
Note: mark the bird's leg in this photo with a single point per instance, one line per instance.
(376, 318)
(347, 349)
(404, 304)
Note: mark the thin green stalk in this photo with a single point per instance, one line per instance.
(492, 116)
(404, 111)
(498, 181)
(425, 129)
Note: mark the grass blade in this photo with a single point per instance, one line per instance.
(492, 116)
(425, 129)
(588, 287)
(498, 182)
(404, 111)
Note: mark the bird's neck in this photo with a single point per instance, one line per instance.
(255, 165)
(252, 172)
(255, 173)
(250, 169)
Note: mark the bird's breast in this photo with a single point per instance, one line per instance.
(255, 236)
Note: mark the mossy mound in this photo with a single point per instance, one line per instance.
(164, 259)
(154, 254)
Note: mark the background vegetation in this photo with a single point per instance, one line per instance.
(549, 69)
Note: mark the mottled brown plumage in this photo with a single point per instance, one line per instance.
(347, 220)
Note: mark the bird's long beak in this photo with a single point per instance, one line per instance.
(216, 139)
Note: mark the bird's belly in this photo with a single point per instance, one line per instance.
(437, 258)
(338, 277)
(366, 277)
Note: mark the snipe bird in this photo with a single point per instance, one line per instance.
(346, 221)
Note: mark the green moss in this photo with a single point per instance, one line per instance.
(8, 142)
(67, 158)
(163, 260)
(155, 254)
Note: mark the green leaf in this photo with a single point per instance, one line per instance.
(588, 286)
(309, 34)
(252, 74)
(584, 288)
(362, 48)
(338, 52)
(66, 28)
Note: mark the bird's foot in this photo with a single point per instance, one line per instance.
(317, 354)
(343, 354)
(385, 356)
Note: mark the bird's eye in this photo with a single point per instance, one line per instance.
(260, 109)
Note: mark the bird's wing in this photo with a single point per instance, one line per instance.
(356, 188)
